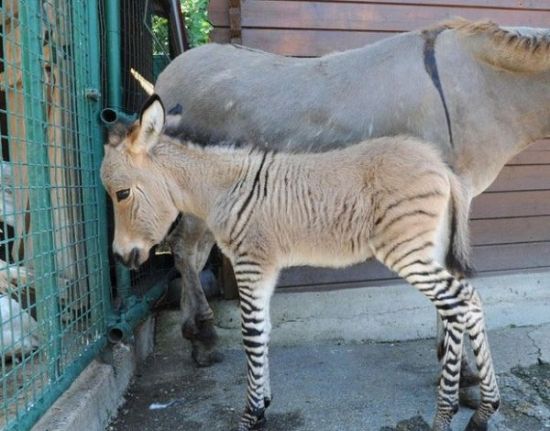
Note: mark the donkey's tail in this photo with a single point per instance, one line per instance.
(458, 253)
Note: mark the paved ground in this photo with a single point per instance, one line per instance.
(333, 387)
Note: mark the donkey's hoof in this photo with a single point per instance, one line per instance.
(469, 397)
(205, 358)
(473, 425)
(207, 334)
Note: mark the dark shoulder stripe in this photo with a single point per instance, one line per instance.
(250, 194)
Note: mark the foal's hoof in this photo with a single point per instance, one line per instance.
(474, 426)
(469, 397)
(258, 425)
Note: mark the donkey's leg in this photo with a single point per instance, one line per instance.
(469, 380)
(256, 287)
(188, 247)
(204, 344)
(490, 397)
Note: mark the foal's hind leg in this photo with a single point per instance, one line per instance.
(450, 299)
(191, 243)
(490, 397)
(469, 380)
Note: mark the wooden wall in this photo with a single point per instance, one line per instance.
(510, 222)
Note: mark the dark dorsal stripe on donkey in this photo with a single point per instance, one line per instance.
(494, 81)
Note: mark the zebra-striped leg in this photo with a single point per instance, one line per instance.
(267, 381)
(490, 397)
(255, 290)
(448, 295)
(468, 393)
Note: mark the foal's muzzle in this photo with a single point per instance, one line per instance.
(131, 260)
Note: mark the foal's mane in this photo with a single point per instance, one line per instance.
(513, 49)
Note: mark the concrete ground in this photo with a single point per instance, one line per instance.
(332, 385)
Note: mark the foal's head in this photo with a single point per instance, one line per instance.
(138, 185)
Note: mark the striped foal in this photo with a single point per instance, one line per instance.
(393, 199)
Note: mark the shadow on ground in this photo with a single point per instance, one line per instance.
(330, 387)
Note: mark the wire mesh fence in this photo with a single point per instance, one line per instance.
(57, 300)
(147, 45)
(54, 294)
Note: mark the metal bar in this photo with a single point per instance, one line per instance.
(178, 27)
(120, 326)
(47, 300)
(94, 62)
(87, 78)
(114, 85)
(114, 67)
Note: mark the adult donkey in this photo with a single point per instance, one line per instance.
(480, 91)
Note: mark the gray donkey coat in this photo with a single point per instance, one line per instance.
(479, 91)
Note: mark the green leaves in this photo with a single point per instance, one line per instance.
(196, 21)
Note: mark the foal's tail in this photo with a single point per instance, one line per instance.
(458, 253)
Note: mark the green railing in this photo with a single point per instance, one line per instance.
(62, 62)
(54, 273)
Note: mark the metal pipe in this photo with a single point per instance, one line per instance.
(114, 90)
(114, 66)
(110, 116)
(94, 93)
(178, 27)
(120, 326)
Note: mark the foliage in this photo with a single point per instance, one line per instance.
(196, 21)
(160, 32)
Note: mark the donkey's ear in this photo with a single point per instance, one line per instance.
(151, 123)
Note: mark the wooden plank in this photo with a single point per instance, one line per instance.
(493, 4)
(362, 16)
(304, 276)
(308, 43)
(220, 35)
(218, 10)
(484, 258)
(511, 256)
(511, 204)
(510, 230)
(522, 177)
(532, 158)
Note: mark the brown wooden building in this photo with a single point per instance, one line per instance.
(510, 222)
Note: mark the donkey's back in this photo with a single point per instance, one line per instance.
(310, 104)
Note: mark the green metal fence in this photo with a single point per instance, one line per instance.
(54, 279)
(62, 62)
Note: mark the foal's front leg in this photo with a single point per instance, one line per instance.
(256, 285)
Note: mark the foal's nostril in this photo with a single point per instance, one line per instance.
(133, 260)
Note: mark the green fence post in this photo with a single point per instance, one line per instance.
(87, 78)
(98, 136)
(47, 300)
(114, 85)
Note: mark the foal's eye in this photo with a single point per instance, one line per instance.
(122, 194)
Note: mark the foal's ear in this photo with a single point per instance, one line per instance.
(151, 123)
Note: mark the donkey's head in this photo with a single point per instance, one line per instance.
(138, 185)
